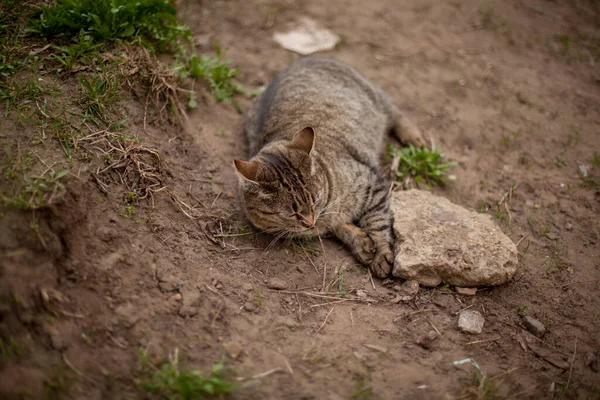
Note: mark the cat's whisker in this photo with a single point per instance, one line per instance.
(272, 230)
(329, 212)
(274, 240)
(331, 204)
(279, 236)
(324, 259)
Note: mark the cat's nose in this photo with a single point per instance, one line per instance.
(308, 221)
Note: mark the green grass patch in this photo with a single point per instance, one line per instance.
(10, 348)
(82, 51)
(37, 191)
(421, 164)
(153, 22)
(11, 13)
(362, 392)
(30, 90)
(559, 162)
(24, 190)
(214, 70)
(173, 383)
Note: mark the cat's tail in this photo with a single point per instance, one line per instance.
(251, 126)
(407, 132)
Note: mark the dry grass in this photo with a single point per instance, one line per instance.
(161, 83)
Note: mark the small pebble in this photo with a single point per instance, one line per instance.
(188, 311)
(466, 291)
(249, 306)
(568, 226)
(233, 349)
(408, 288)
(427, 340)
(276, 284)
(551, 235)
(441, 301)
(533, 325)
(471, 321)
(169, 284)
(175, 298)
(56, 339)
(591, 361)
(247, 287)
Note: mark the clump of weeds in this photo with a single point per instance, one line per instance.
(173, 382)
(421, 165)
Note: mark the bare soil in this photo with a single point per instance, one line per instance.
(509, 89)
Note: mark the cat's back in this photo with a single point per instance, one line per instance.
(316, 91)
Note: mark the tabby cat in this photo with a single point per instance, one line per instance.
(316, 136)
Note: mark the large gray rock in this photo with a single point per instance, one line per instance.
(439, 241)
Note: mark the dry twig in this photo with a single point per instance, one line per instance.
(325, 321)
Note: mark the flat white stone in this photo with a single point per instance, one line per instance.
(307, 38)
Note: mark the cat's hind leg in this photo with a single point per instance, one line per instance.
(402, 127)
(407, 132)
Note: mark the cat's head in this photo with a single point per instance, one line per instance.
(283, 188)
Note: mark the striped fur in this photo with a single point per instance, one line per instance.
(315, 136)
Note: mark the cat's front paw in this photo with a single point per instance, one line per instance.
(383, 262)
(360, 244)
(364, 249)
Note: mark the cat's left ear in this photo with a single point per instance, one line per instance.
(304, 140)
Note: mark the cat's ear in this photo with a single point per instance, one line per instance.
(304, 140)
(247, 169)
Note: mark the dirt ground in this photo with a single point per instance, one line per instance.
(509, 89)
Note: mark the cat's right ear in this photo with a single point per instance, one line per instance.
(304, 140)
(247, 169)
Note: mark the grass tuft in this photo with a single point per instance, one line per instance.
(216, 71)
(99, 93)
(38, 191)
(172, 383)
(420, 164)
(10, 348)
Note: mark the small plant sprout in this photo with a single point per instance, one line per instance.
(559, 162)
(129, 211)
